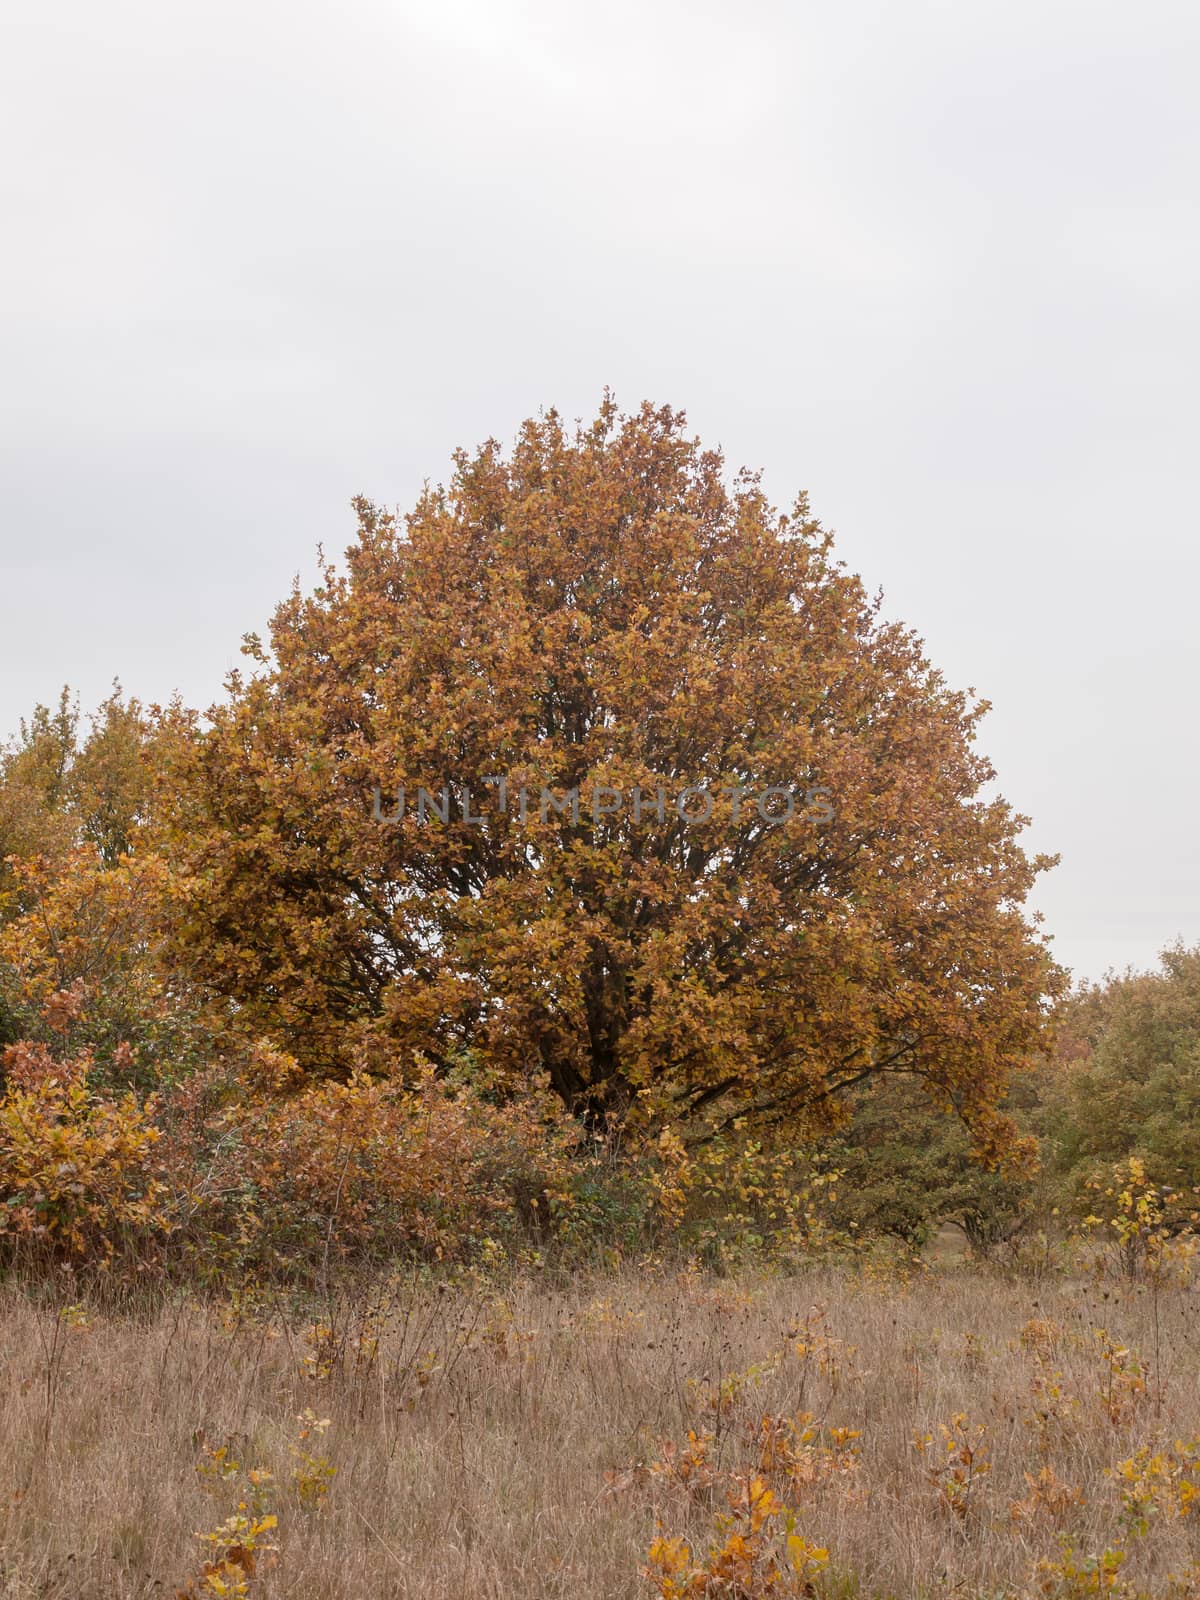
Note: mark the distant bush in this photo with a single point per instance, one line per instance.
(1127, 1083)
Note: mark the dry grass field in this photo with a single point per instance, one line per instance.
(952, 1434)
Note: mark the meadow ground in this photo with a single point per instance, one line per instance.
(534, 1440)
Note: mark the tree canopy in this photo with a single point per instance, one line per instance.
(604, 610)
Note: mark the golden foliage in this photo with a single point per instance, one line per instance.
(75, 1166)
(603, 609)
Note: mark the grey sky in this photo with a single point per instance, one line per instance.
(937, 263)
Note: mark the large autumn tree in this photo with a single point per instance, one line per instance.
(603, 609)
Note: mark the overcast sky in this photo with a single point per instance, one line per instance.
(936, 263)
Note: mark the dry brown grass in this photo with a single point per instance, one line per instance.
(485, 1446)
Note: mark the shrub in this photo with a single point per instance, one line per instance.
(76, 1169)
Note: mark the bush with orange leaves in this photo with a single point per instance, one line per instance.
(76, 1170)
(272, 1172)
(378, 1166)
(245, 1169)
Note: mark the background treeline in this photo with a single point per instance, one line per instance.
(142, 1129)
